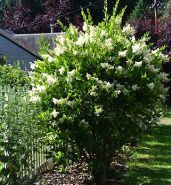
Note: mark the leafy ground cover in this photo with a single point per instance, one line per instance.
(151, 160)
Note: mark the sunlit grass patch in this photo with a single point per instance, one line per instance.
(151, 160)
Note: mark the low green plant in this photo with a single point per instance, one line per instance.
(13, 75)
(20, 135)
(101, 87)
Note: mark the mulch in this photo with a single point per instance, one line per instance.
(77, 174)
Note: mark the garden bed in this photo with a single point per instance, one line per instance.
(78, 174)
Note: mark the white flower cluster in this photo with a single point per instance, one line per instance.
(151, 85)
(123, 53)
(129, 62)
(152, 68)
(103, 33)
(98, 109)
(85, 26)
(142, 125)
(32, 65)
(135, 87)
(50, 80)
(88, 36)
(103, 84)
(128, 29)
(109, 43)
(54, 113)
(59, 101)
(38, 89)
(119, 69)
(93, 90)
(139, 47)
(93, 35)
(61, 70)
(163, 77)
(157, 53)
(120, 88)
(48, 58)
(70, 75)
(61, 39)
(59, 50)
(83, 121)
(136, 48)
(6, 97)
(33, 97)
(117, 92)
(138, 64)
(162, 98)
(81, 40)
(106, 66)
(70, 103)
(63, 101)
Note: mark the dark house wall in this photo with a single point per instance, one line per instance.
(23, 47)
(15, 52)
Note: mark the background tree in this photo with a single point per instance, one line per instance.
(23, 19)
(35, 5)
(140, 11)
(44, 11)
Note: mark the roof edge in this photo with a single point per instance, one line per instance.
(14, 42)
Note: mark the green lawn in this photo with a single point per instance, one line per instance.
(151, 160)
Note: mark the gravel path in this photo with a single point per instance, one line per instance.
(165, 121)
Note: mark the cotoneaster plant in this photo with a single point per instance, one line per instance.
(101, 87)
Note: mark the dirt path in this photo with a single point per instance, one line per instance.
(165, 121)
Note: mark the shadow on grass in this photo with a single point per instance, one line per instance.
(151, 161)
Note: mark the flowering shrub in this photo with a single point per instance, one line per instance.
(101, 87)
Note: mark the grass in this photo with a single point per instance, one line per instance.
(151, 161)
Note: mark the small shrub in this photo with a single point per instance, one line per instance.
(101, 87)
(20, 136)
(142, 26)
(13, 75)
(165, 32)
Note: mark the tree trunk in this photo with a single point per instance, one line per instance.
(100, 172)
